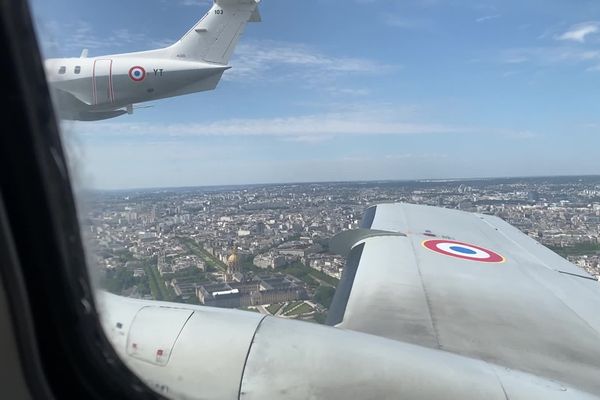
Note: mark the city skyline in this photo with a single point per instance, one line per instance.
(250, 185)
(266, 247)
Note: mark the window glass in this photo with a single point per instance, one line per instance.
(213, 169)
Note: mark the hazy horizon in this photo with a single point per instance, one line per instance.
(373, 181)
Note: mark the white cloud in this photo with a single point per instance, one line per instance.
(195, 2)
(414, 24)
(60, 39)
(565, 55)
(405, 156)
(347, 91)
(579, 32)
(315, 128)
(487, 18)
(257, 59)
(305, 66)
(307, 128)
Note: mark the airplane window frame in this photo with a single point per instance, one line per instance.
(77, 69)
(61, 344)
(62, 70)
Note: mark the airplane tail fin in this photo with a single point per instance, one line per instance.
(215, 36)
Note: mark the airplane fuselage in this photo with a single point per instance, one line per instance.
(108, 86)
(105, 84)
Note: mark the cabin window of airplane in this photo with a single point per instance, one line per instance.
(168, 143)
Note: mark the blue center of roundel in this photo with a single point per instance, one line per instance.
(137, 73)
(463, 250)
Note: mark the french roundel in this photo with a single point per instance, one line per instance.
(137, 73)
(462, 250)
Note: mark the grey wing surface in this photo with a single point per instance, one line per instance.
(473, 285)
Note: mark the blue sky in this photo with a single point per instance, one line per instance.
(349, 90)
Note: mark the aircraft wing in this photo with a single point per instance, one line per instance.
(473, 285)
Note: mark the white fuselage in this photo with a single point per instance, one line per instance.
(108, 86)
(112, 82)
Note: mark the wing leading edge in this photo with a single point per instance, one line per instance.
(473, 285)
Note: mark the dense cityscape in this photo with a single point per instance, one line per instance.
(264, 248)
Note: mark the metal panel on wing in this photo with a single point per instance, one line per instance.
(154, 345)
(473, 285)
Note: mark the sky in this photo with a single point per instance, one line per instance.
(344, 90)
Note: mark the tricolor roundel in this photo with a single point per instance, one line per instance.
(462, 250)
(137, 74)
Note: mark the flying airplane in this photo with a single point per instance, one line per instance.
(96, 88)
(433, 304)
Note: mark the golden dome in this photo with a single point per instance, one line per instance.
(232, 259)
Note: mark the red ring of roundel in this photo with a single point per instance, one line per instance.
(133, 78)
(494, 257)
